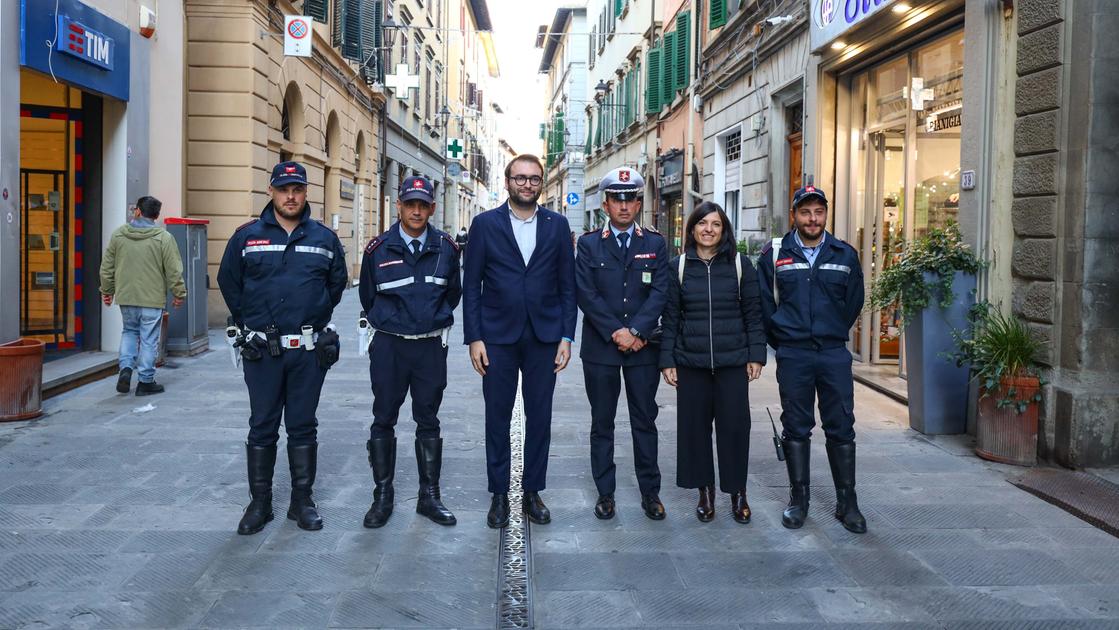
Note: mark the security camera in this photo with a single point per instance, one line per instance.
(779, 20)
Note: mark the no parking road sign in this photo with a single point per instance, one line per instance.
(297, 36)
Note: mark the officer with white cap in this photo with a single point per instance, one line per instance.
(621, 273)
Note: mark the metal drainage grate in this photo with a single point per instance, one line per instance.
(514, 605)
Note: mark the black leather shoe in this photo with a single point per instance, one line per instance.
(841, 457)
(796, 461)
(535, 509)
(604, 509)
(303, 461)
(739, 508)
(653, 507)
(124, 380)
(382, 461)
(429, 460)
(705, 509)
(147, 389)
(261, 462)
(498, 516)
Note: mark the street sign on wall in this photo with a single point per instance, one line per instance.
(297, 36)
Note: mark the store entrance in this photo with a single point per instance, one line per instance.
(905, 171)
(43, 262)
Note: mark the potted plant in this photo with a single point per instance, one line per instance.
(931, 283)
(1003, 358)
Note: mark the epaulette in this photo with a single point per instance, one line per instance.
(373, 245)
(447, 237)
(768, 247)
(590, 232)
(649, 228)
(245, 225)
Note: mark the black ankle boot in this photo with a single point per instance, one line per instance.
(841, 457)
(429, 461)
(302, 460)
(796, 460)
(382, 460)
(261, 462)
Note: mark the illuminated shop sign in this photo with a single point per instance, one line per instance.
(81, 41)
(832, 18)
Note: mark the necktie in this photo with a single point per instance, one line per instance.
(624, 238)
(416, 246)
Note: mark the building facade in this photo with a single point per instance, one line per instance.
(87, 93)
(564, 60)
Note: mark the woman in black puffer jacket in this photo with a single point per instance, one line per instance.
(713, 345)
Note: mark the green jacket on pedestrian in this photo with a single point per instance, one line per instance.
(141, 265)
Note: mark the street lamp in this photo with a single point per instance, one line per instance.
(390, 27)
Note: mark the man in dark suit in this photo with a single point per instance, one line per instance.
(622, 277)
(519, 317)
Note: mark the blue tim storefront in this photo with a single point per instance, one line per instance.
(81, 153)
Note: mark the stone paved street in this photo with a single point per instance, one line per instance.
(111, 516)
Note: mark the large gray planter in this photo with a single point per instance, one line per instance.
(937, 388)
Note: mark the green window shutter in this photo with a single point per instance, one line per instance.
(543, 130)
(561, 138)
(652, 80)
(668, 64)
(371, 40)
(347, 28)
(316, 9)
(590, 135)
(683, 49)
(598, 131)
(627, 94)
(619, 6)
(717, 16)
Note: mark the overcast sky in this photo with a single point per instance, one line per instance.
(520, 90)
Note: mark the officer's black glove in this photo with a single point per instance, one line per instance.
(327, 348)
(252, 349)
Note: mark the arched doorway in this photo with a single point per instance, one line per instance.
(332, 175)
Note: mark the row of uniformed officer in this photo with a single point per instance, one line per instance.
(812, 293)
(281, 277)
(621, 280)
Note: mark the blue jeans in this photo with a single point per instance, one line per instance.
(140, 336)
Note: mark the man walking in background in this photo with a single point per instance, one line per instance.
(140, 266)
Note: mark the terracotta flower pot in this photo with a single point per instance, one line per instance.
(1004, 435)
(21, 380)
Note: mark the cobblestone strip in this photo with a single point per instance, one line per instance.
(514, 604)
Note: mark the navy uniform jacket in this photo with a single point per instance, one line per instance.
(268, 276)
(819, 303)
(501, 294)
(615, 293)
(406, 294)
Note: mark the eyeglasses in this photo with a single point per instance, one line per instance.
(521, 180)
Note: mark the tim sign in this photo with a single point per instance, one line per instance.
(78, 40)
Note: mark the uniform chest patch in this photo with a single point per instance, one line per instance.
(648, 256)
(388, 263)
(783, 262)
(259, 241)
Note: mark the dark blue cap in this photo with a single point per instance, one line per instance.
(417, 187)
(286, 173)
(809, 192)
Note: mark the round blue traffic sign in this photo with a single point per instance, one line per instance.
(572, 199)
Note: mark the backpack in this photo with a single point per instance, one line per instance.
(737, 271)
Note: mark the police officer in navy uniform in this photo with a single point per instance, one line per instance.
(409, 289)
(818, 297)
(281, 277)
(622, 280)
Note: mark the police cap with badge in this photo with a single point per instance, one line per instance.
(417, 187)
(623, 184)
(286, 173)
(806, 193)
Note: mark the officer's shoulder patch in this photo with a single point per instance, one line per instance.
(245, 225)
(768, 247)
(373, 244)
(649, 228)
(447, 237)
(590, 232)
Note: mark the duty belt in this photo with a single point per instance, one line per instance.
(444, 333)
(288, 342)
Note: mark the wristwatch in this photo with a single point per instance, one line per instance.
(636, 333)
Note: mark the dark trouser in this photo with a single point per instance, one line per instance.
(535, 361)
(703, 395)
(604, 384)
(288, 385)
(802, 374)
(397, 365)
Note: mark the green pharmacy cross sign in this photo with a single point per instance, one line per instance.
(455, 149)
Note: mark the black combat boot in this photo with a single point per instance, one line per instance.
(429, 461)
(842, 460)
(382, 460)
(796, 460)
(261, 462)
(302, 460)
